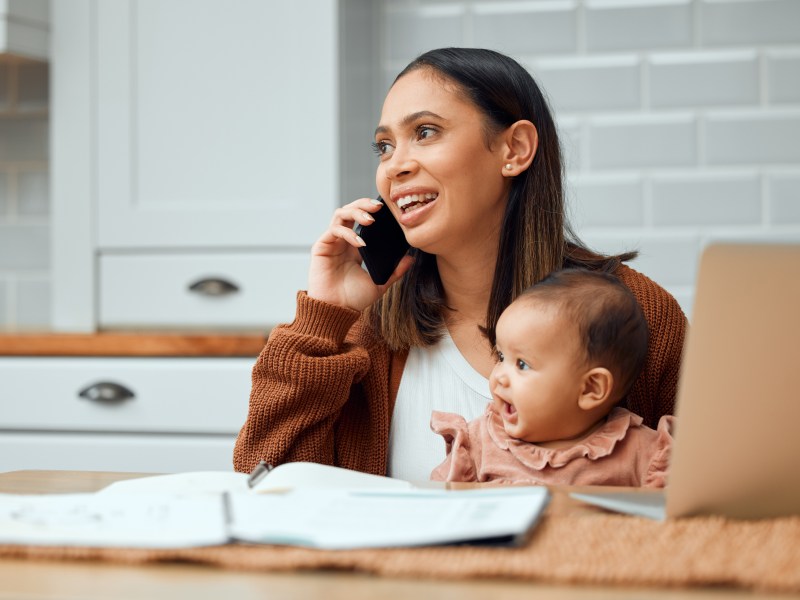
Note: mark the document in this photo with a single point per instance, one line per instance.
(140, 521)
(287, 476)
(333, 519)
(340, 519)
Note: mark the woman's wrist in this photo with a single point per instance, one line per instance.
(321, 318)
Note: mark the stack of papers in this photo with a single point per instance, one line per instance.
(200, 509)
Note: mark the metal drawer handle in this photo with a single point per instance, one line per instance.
(106, 392)
(214, 286)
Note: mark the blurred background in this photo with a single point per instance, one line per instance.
(167, 163)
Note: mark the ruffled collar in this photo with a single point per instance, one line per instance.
(599, 444)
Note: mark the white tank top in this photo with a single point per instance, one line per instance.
(435, 378)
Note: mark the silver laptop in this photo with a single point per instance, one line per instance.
(737, 439)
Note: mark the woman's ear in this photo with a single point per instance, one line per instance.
(597, 386)
(521, 143)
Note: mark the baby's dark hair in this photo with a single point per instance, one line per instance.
(610, 322)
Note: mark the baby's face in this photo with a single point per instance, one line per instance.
(538, 378)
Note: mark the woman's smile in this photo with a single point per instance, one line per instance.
(413, 202)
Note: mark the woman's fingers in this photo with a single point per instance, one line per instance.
(335, 275)
(358, 211)
(329, 244)
(345, 217)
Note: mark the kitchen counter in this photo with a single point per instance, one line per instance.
(131, 344)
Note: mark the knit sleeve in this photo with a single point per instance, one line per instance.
(300, 383)
(653, 393)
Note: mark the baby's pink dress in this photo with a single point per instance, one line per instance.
(622, 451)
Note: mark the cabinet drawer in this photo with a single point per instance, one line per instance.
(115, 452)
(201, 290)
(181, 395)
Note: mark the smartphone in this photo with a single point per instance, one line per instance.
(386, 244)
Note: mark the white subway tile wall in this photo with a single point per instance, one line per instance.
(734, 22)
(525, 27)
(784, 199)
(614, 25)
(783, 76)
(679, 119)
(603, 201)
(24, 195)
(703, 79)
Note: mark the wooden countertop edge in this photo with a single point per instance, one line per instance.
(132, 344)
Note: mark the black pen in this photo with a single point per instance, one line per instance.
(257, 474)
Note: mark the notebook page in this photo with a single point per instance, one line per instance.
(113, 520)
(336, 519)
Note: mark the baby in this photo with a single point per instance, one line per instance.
(568, 350)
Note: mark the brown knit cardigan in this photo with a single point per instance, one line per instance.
(324, 385)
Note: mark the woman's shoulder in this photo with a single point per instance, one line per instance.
(653, 393)
(656, 302)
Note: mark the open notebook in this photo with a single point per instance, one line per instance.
(737, 442)
(299, 504)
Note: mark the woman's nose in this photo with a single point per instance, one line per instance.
(400, 164)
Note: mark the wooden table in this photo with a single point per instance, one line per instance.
(64, 580)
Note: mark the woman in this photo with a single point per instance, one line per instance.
(469, 164)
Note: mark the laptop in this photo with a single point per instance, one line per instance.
(737, 440)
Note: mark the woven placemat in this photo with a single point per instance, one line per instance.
(588, 549)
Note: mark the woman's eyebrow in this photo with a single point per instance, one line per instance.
(408, 119)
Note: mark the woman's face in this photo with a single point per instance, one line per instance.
(436, 172)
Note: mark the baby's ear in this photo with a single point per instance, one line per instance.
(596, 389)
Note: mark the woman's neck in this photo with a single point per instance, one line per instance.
(467, 283)
(467, 280)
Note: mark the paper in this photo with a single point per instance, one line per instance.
(286, 476)
(143, 520)
(321, 518)
(310, 504)
(338, 519)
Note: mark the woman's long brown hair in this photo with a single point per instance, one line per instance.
(535, 238)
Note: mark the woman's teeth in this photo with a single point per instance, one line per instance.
(415, 201)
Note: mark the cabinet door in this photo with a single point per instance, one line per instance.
(132, 395)
(258, 290)
(216, 122)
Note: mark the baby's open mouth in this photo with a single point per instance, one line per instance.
(508, 409)
(413, 202)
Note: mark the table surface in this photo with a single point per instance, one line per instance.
(97, 580)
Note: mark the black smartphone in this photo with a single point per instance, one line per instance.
(385, 244)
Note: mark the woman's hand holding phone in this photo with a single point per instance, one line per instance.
(335, 275)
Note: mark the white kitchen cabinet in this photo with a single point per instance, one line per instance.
(121, 414)
(131, 453)
(233, 290)
(216, 122)
(184, 128)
